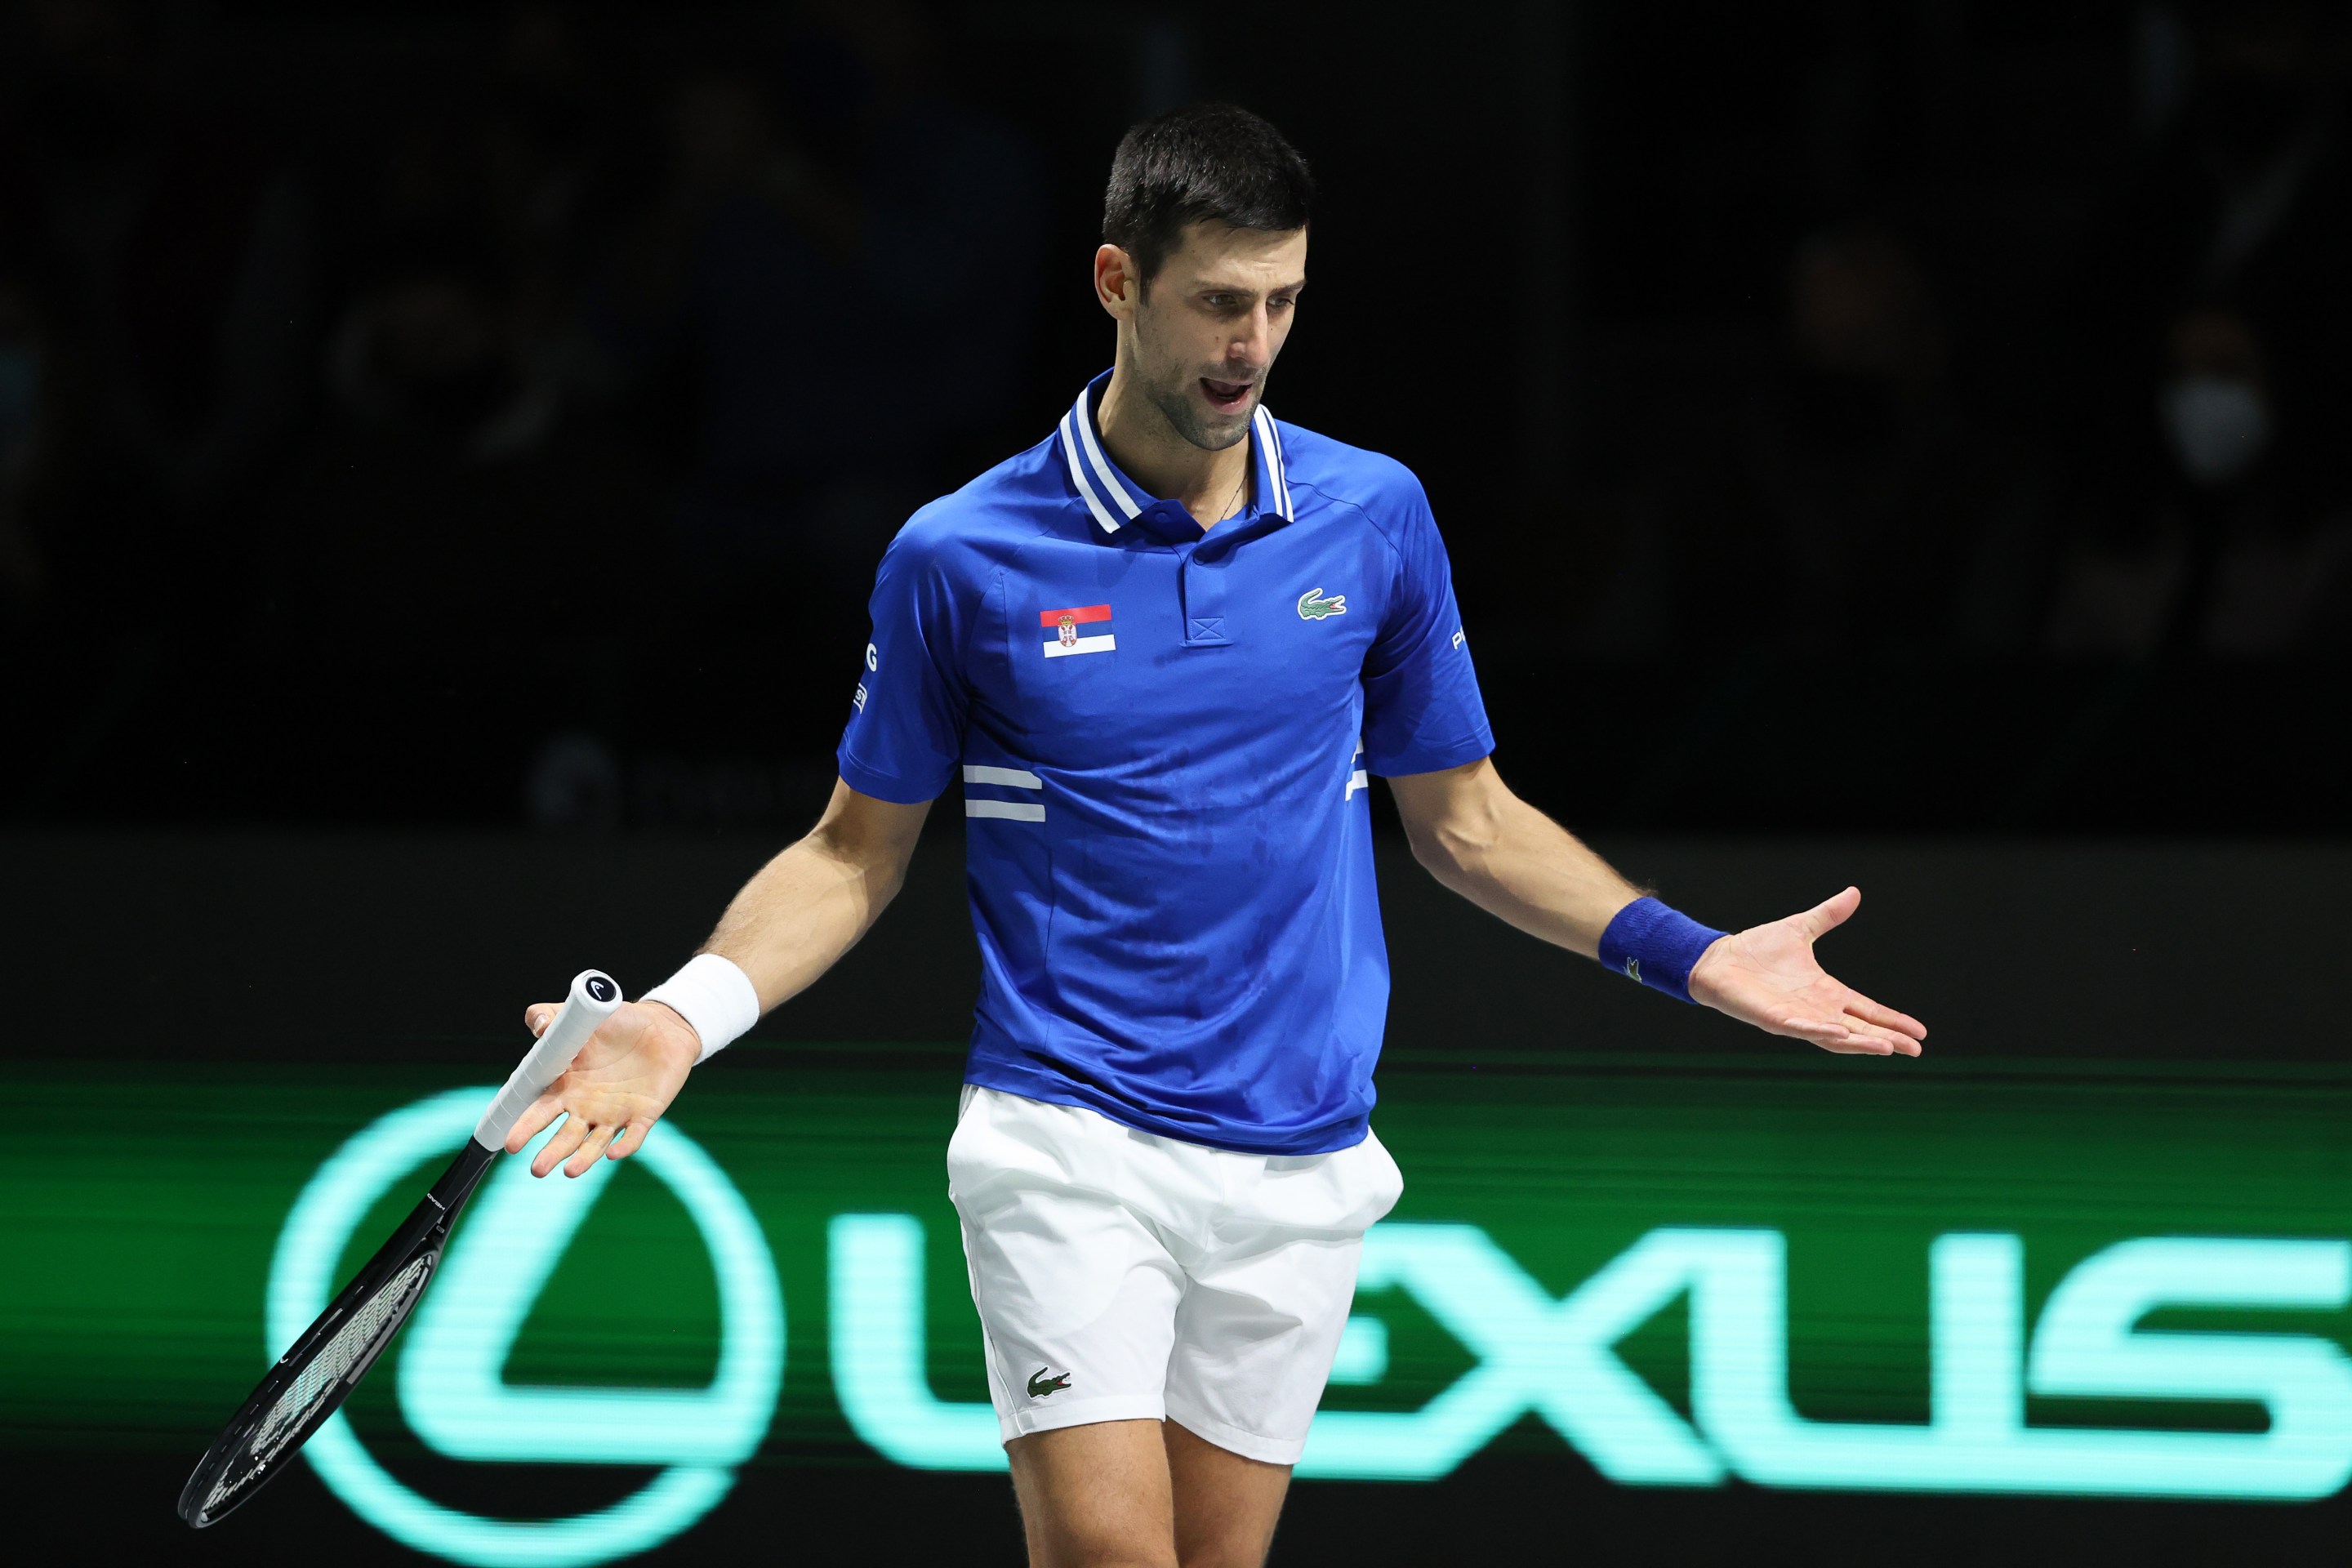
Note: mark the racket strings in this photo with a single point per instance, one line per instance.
(318, 1377)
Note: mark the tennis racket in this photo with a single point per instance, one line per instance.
(312, 1379)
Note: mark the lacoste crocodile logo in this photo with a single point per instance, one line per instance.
(1314, 606)
(1041, 1386)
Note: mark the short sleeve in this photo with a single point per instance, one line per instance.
(1422, 708)
(905, 736)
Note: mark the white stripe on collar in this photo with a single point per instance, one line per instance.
(1271, 440)
(1078, 477)
(1085, 419)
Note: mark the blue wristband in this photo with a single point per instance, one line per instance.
(1655, 944)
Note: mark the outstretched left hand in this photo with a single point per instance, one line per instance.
(1767, 975)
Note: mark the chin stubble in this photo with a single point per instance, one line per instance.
(1184, 415)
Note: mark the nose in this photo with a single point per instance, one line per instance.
(1253, 343)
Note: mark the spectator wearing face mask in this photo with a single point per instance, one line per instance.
(2203, 402)
(2215, 406)
(2235, 558)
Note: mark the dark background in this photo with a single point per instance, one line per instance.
(444, 448)
(1922, 417)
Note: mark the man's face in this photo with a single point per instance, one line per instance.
(1208, 328)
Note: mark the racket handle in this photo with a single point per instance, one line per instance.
(594, 996)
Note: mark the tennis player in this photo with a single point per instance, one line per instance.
(1161, 651)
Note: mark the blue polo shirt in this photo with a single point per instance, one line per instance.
(1163, 737)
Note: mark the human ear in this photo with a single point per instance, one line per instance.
(1114, 281)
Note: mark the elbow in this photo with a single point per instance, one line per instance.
(1452, 850)
(883, 882)
(872, 871)
(1455, 821)
(1459, 845)
(1428, 850)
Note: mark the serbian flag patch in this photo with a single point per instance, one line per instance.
(1085, 629)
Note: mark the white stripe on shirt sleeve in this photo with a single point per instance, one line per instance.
(1017, 778)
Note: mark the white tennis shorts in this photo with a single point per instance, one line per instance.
(1122, 1276)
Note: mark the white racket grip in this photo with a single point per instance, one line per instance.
(594, 995)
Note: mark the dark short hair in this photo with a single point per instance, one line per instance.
(1212, 162)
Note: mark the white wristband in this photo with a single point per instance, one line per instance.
(713, 995)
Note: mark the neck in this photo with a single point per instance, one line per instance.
(1211, 486)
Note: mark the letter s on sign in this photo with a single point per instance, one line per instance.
(2089, 1343)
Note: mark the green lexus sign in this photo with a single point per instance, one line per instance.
(1796, 1273)
(451, 1383)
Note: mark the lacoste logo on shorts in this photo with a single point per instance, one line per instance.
(1040, 1386)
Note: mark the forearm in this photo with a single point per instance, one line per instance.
(803, 910)
(1521, 867)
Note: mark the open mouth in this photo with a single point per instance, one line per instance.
(1226, 396)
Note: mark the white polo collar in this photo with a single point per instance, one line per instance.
(1114, 499)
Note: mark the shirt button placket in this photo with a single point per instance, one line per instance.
(1203, 586)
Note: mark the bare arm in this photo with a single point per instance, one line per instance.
(1470, 832)
(1492, 847)
(790, 923)
(809, 905)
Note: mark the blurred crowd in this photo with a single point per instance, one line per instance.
(512, 428)
(452, 409)
(2147, 454)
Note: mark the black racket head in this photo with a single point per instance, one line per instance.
(311, 1381)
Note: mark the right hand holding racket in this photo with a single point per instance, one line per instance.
(617, 1087)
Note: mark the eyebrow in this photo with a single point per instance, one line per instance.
(1295, 286)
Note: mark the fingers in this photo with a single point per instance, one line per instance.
(1829, 914)
(1850, 1037)
(544, 1109)
(615, 1143)
(538, 1017)
(1856, 1046)
(1884, 1042)
(591, 1150)
(1846, 1042)
(1885, 1017)
(1831, 1035)
(569, 1137)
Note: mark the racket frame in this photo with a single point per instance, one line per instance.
(423, 1235)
